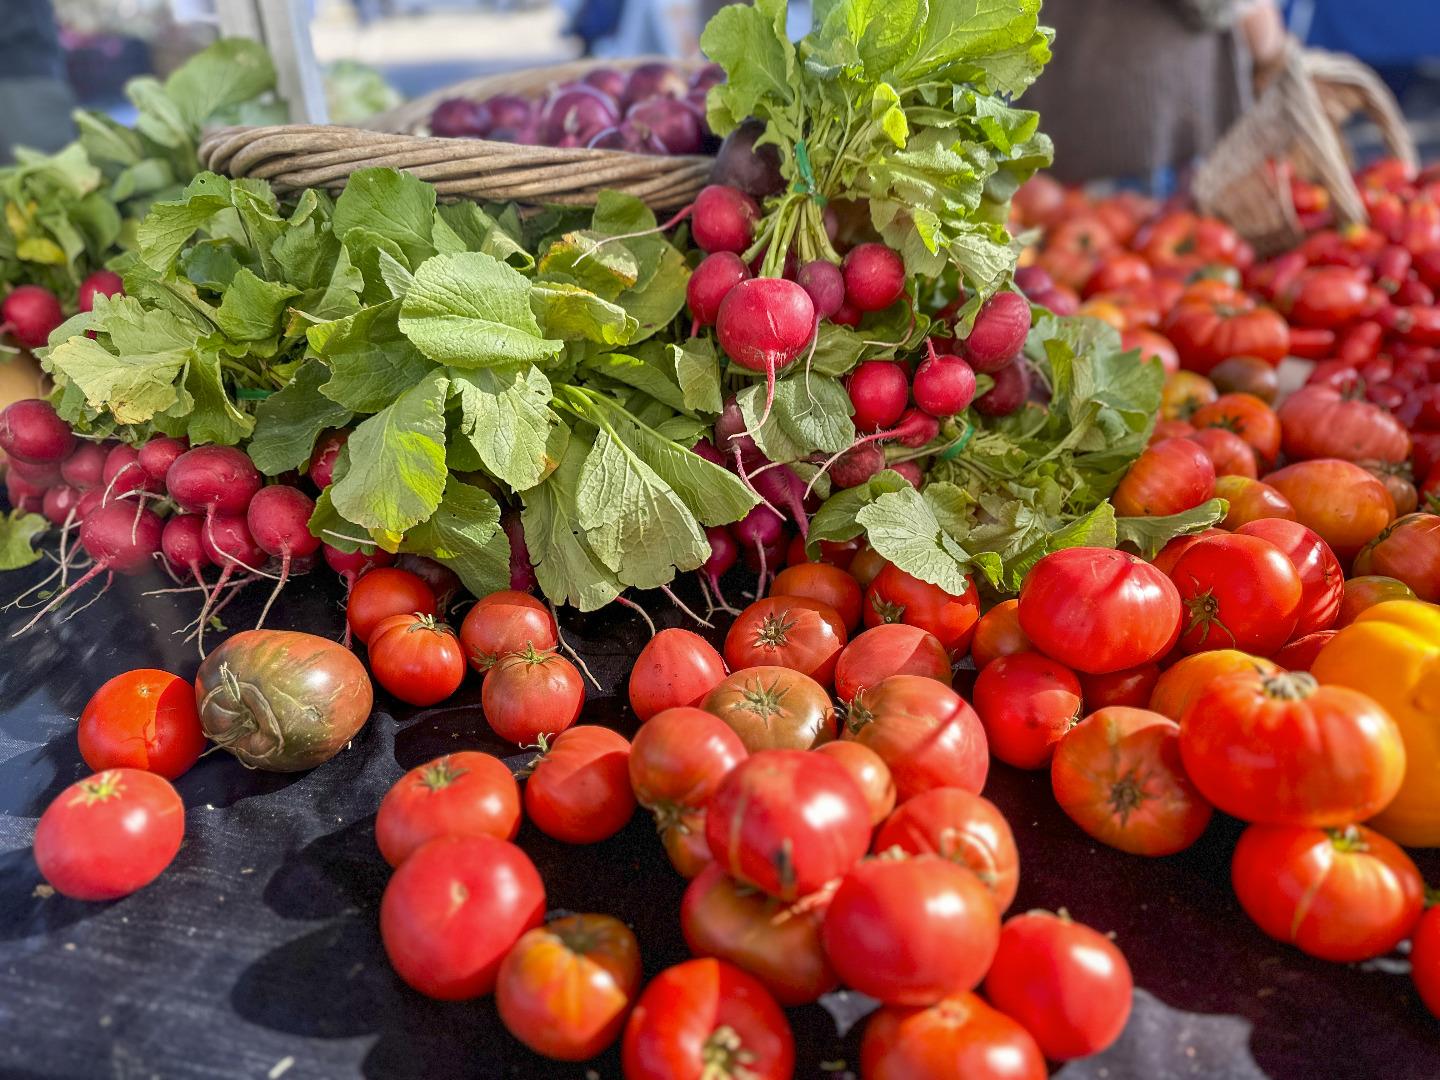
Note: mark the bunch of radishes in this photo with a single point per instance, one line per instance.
(652, 109)
(31, 313)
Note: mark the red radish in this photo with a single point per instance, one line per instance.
(624, 138)
(857, 465)
(40, 476)
(158, 454)
(723, 553)
(91, 499)
(762, 530)
(763, 325)
(825, 284)
(670, 123)
(119, 539)
(351, 565)
(607, 79)
(322, 461)
(920, 428)
(999, 332)
(579, 111)
(509, 111)
(655, 79)
(709, 285)
(124, 473)
(59, 504)
(944, 384)
(228, 543)
(100, 283)
(278, 518)
(1033, 279)
(706, 449)
(731, 437)
(874, 277)
(182, 545)
(845, 315)
(879, 391)
(741, 164)
(31, 314)
(522, 570)
(780, 487)
(1012, 387)
(723, 219)
(910, 470)
(31, 430)
(708, 76)
(85, 468)
(22, 494)
(213, 480)
(461, 118)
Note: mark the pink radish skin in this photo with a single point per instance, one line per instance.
(857, 465)
(85, 468)
(227, 542)
(879, 392)
(351, 565)
(730, 435)
(278, 518)
(764, 325)
(182, 544)
(944, 385)
(38, 476)
(31, 430)
(1012, 387)
(322, 461)
(653, 80)
(910, 470)
(213, 480)
(723, 219)
(670, 123)
(999, 332)
(158, 454)
(124, 474)
(915, 429)
(522, 570)
(706, 449)
(461, 118)
(761, 536)
(874, 277)
(580, 111)
(1033, 279)
(845, 315)
(780, 487)
(709, 285)
(607, 79)
(723, 554)
(918, 427)
(89, 501)
(23, 495)
(825, 285)
(30, 314)
(740, 164)
(59, 504)
(100, 283)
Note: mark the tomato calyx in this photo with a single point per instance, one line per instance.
(99, 788)
(1289, 685)
(1204, 611)
(855, 715)
(889, 611)
(764, 701)
(439, 774)
(430, 624)
(542, 746)
(1348, 841)
(774, 630)
(1127, 795)
(724, 1057)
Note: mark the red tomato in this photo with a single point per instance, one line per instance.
(110, 834)
(866, 565)
(1247, 416)
(1322, 580)
(679, 757)
(787, 821)
(1206, 332)
(383, 592)
(998, 634)
(773, 708)
(1185, 392)
(1097, 610)
(1118, 271)
(1409, 551)
(1300, 654)
(836, 553)
(529, 694)
(1367, 591)
(1170, 477)
(683, 838)
(1166, 558)
(1152, 346)
(890, 649)
(776, 941)
(565, 989)
(1117, 774)
(825, 583)
(1328, 297)
(142, 719)
(1170, 429)
(959, 1036)
(461, 794)
(454, 908)
(870, 773)
(935, 915)
(960, 826)
(1342, 502)
(1026, 703)
(416, 659)
(578, 790)
(1067, 984)
(676, 667)
(1189, 676)
(897, 597)
(787, 631)
(506, 622)
(1229, 454)
(923, 731)
(1320, 422)
(1239, 592)
(1131, 687)
(1425, 959)
(1250, 500)
(1339, 894)
(1283, 750)
(706, 1018)
(1246, 375)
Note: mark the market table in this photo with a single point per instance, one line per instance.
(257, 954)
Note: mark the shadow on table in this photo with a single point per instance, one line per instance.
(32, 778)
(28, 914)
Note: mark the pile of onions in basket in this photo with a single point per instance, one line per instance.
(651, 109)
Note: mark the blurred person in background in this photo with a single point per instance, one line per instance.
(35, 99)
(1139, 89)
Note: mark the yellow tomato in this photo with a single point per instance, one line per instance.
(1392, 652)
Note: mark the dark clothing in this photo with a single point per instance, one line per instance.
(35, 98)
(30, 45)
(1137, 87)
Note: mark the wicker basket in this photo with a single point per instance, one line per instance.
(293, 156)
(1297, 119)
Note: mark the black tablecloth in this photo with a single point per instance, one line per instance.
(257, 954)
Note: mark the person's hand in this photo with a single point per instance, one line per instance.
(1263, 28)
